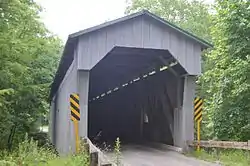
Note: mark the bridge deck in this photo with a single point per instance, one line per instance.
(138, 155)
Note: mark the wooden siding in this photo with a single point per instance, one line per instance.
(140, 32)
(64, 126)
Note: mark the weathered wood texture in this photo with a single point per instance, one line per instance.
(222, 144)
(95, 155)
(140, 32)
(94, 159)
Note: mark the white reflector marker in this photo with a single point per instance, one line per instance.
(135, 80)
(151, 73)
(163, 68)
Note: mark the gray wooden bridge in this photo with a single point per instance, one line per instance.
(135, 77)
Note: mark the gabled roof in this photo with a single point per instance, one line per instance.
(68, 52)
(202, 42)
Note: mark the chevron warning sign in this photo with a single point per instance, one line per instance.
(198, 103)
(74, 107)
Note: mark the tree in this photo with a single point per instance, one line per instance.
(29, 56)
(227, 78)
(192, 16)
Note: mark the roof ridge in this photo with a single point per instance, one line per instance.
(140, 13)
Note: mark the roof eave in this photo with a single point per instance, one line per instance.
(106, 24)
(202, 42)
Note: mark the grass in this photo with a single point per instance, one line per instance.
(29, 153)
(74, 160)
(224, 157)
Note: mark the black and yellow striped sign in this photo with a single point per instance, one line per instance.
(74, 107)
(198, 102)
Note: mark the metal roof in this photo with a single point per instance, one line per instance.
(68, 53)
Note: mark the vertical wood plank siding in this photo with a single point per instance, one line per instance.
(64, 126)
(139, 32)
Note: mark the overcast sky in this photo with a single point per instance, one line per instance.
(64, 17)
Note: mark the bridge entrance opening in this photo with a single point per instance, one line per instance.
(133, 95)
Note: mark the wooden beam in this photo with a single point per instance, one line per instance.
(167, 63)
(94, 159)
(222, 144)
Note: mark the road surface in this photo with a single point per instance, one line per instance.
(137, 155)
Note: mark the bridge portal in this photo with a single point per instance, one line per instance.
(136, 80)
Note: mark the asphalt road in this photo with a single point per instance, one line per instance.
(137, 155)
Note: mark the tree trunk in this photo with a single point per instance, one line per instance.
(11, 136)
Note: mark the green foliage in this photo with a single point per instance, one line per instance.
(192, 16)
(28, 153)
(7, 163)
(117, 150)
(226, 81)
(74, 160)
(224, 157)
(42, 139)
(29, 56)
(79, 159)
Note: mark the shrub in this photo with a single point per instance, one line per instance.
(224, 156)
(27, 153)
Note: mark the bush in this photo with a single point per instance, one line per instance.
(79, 159)
(7, 163)
(27, 153)
(225, 157)
(41, 138)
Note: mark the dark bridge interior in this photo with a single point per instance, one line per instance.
(132, 96)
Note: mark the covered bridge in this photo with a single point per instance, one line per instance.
(136, 80)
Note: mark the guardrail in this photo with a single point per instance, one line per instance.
(221, 144)
(96, 156)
